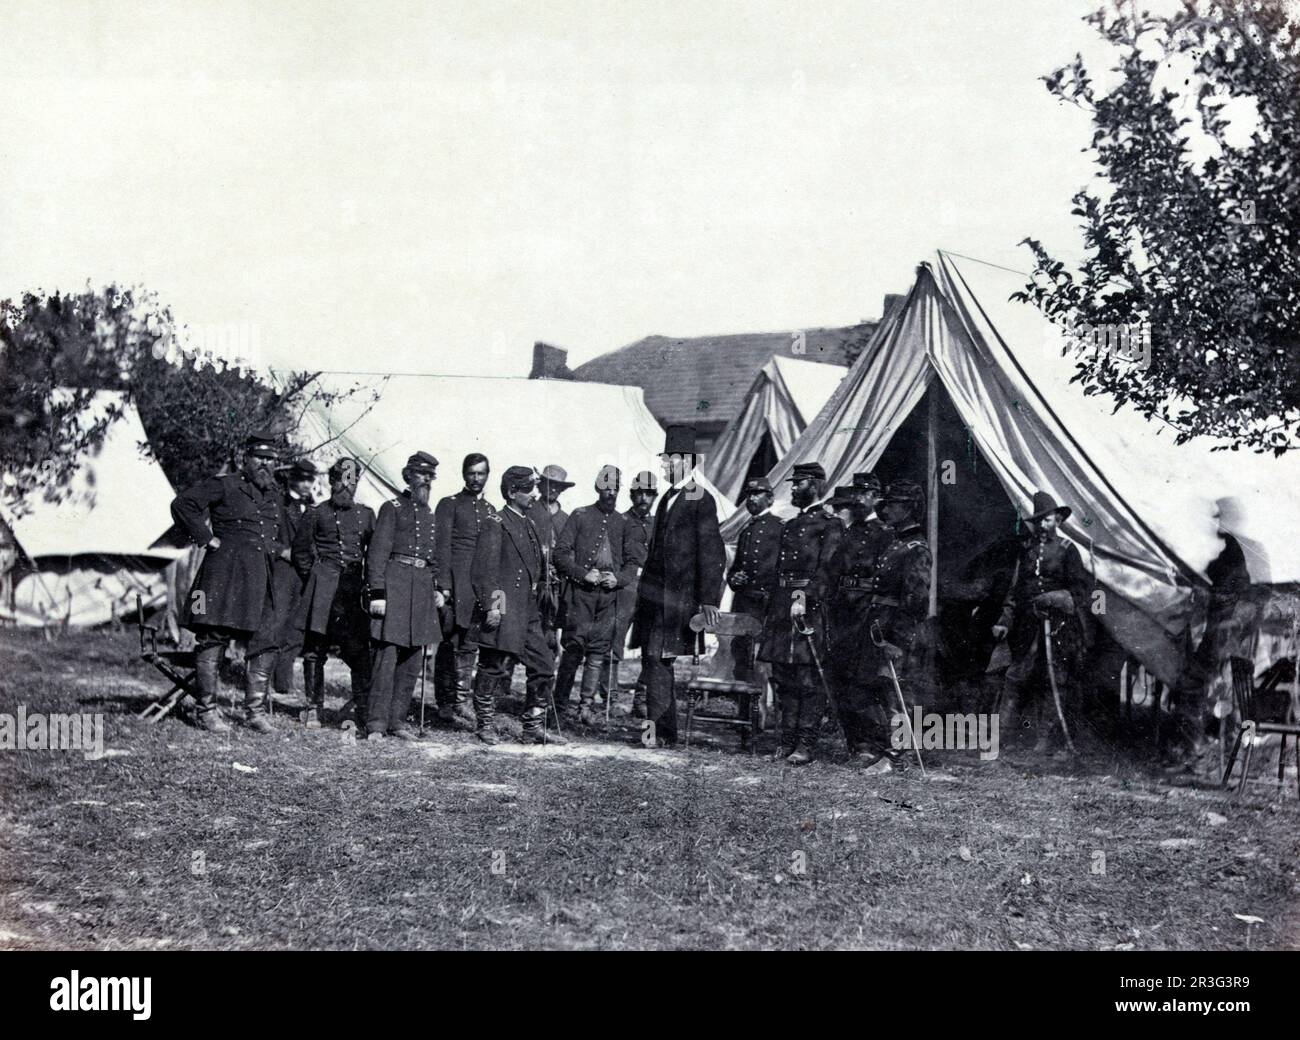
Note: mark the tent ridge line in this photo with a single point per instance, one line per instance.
(1188, 571)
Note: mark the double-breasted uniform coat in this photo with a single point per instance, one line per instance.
(330, 551)
(758, 550)
(460, 520)
(232, 592)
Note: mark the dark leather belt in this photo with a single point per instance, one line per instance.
(789, 581)
(885, 601)
(851, 581)
(409, 561)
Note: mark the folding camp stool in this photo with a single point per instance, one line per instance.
(180, 667)
(720, 684)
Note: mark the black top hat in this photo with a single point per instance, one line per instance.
(756, 486)
(807, 469)
(422, 462)
(1044, 503)
(679, 440)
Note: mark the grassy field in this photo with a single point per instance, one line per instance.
(181, 839)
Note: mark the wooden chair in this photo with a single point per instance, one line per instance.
(721, 684)
(177, 666)
(1250, 723)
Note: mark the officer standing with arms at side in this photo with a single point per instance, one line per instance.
(460, 519)
(900, 604)
(754, 568)
(682, 576)
(1049, 585)
(850, 614)
(238, 519)
(508, 571)
(598, 555)
(330, 552)
(404, 573)
(640, 521)
(805, 579)
(548, 520)
(300, 480)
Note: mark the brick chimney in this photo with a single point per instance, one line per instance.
(550, 362)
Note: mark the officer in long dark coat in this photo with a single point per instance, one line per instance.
(599, 555)
(549, 518)
(640, 519)
(238, 519)
(299, 482)
(1049, 585)
(404, 575)
(851, 666)
(330, 553)
(754, 569)
(460, 519)
(896, 616)
(682, 577)
(508, 574)
(805, 579)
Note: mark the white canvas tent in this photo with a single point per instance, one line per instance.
(83, 555)
(527, 422)
(785, 395)
(1145, 510)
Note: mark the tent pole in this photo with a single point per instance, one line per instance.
(932, 497)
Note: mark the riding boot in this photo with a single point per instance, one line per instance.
(258, 676)
(462, 709)
(564, 675)
(789, 701)
(487, 687)
(592, 670)
(208, 661)
(313, 680)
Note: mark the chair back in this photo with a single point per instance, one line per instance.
(152, 646)
(1243, 687)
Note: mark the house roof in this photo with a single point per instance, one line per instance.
(704, 379)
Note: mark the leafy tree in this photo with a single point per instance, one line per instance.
(57, 351)
(1193, 235)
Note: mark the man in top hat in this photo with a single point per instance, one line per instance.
(682, 576)
(237, 518)
(851, 668)
(640, 520)
(805, 579)
(300, 480)
(460, 519)
(508, 573)
(405, 576)
(896, 615)
(754, 568)
(329, 552)
(1049, 585)
(598, 553)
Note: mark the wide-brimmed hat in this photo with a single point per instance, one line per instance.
(845, 495)
(557, 476)
(1044, 504)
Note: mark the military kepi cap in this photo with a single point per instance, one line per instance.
(679, 440)
(645, 481)
(904, 491)
(845, 495)
(757, 486)
(516, 478)
(422, 462)
(807, 469)
(866, 480)
(609, 477)
(261, 443)
(302, 469)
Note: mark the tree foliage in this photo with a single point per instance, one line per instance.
(1192, 233)
(57, 351)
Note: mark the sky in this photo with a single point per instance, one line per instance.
(401, 187)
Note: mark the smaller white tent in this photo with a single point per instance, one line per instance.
(580, 427)
(85, 552)
(785, 396)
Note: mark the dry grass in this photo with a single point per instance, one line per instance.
(164, 844)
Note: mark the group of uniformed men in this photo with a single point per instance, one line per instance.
(840, 598)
